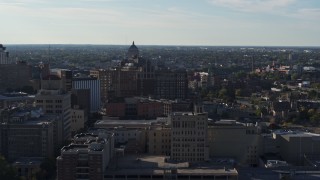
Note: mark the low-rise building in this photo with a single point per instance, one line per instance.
(86, 158)
(27, 166)
(229, 138)
(27, 133)
(295, 145)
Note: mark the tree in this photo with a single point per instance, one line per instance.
(239, 92)
(7, 172)
(294, 76)
(48, 169)
(312, 94)
(315, 118)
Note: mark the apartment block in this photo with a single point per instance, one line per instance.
(78, 119)
(86, 158)
(59, 103)
(27, 133)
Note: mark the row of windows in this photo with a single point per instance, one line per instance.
(49, 101)
(187, 150)
(187, 133)
(122, 134)
(51, 111)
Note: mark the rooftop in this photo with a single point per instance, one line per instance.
(28, 161)
(151, 165)
(125, 122)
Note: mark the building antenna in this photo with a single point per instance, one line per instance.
(49, 61)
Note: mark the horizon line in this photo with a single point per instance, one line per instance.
(189, 45)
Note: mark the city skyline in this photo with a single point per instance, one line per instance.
(204, 22)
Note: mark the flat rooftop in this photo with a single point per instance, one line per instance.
(296, 134)
(126, 123)
(156, 165)
(28, 161)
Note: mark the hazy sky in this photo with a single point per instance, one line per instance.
(161, 22)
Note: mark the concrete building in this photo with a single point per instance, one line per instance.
(59, 103)
(136, 107)
(225, 135)
(57, 79)
(15, 76)
(81, 98)
(26, 133)
(86, 158)
(294, 146)
(4, 55)
(171, 84)
(66, 78)
(170, 106)
(13, 99)
(146, 167)
(78, 119)
(106, 77)
(159, 141)
(189, 140)
(94, 85)
(27, 167)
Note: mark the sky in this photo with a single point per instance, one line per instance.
(161, 22)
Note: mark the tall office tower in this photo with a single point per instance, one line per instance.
(26, 133)
(189, 136)
(4, 55)
(57, 102)
(86, 158)
(94, 85)
(171, 84)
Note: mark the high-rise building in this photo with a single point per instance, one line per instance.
(4, 55)
(59, 103)
(106, 78)
(189, 140)
(86, 158)
(94, 85)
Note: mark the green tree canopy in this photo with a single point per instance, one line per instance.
(7, 172)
